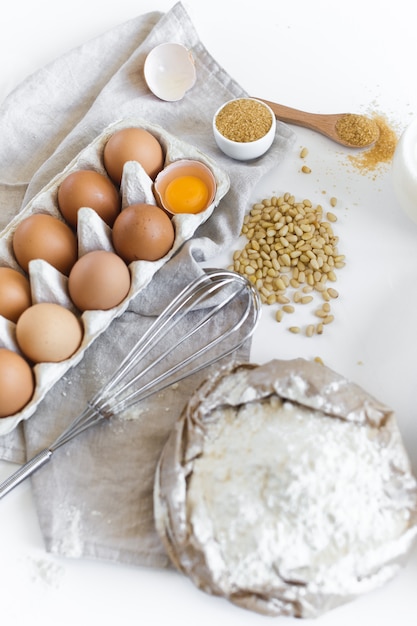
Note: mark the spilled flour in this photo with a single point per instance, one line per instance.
(70, 543)
(46, 572)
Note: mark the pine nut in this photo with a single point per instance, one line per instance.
(280, 284)
(279, 315)
(325, 295)
(282, 299)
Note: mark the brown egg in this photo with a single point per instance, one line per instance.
(87, 188)
(143, 232)
(15, 295)
(132, 144)
(98, 280)
(43, 236)
(17, 382)
(48, 332)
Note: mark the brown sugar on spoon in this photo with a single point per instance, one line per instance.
(357, 130)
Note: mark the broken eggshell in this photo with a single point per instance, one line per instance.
(185, 186)
(169, 71)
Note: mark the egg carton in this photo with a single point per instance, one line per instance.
(49, 285)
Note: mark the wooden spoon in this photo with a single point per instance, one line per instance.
(326, 124)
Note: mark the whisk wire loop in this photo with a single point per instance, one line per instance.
(154, 385)
(190, 297)
(142, 392)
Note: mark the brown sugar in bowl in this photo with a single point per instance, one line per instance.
(244, 128)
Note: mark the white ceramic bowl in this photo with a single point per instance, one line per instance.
(244, 150)
(404, 170)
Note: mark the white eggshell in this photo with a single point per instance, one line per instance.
(169, 71)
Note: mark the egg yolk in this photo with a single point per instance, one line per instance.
(186, 194)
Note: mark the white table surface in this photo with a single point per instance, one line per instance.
(321, 56)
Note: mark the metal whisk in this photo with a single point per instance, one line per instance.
(219, 309)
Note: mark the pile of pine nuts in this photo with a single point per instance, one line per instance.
(291, 256)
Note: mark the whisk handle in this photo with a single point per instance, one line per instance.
(24, 472)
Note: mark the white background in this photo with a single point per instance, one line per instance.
(321, 56)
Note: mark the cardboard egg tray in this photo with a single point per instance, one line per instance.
(49, 285)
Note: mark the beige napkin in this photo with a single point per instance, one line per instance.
(95, 497)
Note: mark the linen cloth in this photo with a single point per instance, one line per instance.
(94, 499)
